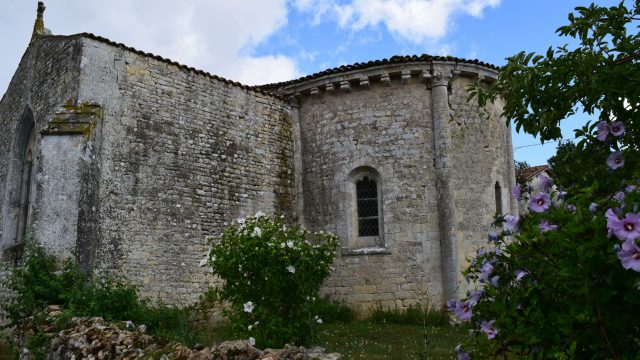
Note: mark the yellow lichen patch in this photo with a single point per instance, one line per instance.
(74, 119)
(134, 70)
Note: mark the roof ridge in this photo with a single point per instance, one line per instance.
(168, 61)
(363, 65)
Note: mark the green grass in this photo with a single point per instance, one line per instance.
(359, 340)
(366, 340)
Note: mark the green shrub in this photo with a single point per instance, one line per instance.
(331, 311)
(415, 315)
(36, 283)
(271, 273)
(40, 282)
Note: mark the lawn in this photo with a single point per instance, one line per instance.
(362, 340)
(366, 340)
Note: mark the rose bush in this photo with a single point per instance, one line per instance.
(272, 273)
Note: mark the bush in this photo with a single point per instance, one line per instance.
(331, 311)
(418, 315)
(557, 289)
(39, 282)
(567, 281)
(271, 274)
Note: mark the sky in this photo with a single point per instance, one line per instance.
(264, 41)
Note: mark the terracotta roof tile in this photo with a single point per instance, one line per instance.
(165, 60)
(364, 65)
(527, 174)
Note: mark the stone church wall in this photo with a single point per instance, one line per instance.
(140, 159)
(480, 153)
(182, 154)
(48, 75)
(387, 128)
(437, 159)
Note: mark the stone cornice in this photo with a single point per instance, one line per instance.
(364, 78)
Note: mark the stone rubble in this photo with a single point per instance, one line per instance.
(96, 339)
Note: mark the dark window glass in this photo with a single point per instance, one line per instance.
(367, 197)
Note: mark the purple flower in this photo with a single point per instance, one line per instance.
(627, 228)
(493, 237)
(540, 202)
(520, 274)
(545, 226)
(545, 183)
(630, 188)
(619, 197)
(511, 223)
(462, 310)
(485, 271)
(474, 296)
(494, 280)
(571, 208)
(603, 130)
(487, 328)
(561, 195)
(615, 160)
(612, 221)
(462, 355)
(630, 256)
(617, 128)
(593, 207)
(516, 192)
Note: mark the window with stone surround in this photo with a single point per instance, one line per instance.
(364, 213)
(19, 202)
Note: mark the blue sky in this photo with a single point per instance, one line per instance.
(262, 41)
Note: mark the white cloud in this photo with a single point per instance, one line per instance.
(264, 69)
(418, 21)
(218, 36)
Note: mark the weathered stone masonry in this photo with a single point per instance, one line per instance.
(138, 159)
(438, 158)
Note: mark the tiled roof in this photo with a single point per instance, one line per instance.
(165, 60)
(364, 65)
(269, 89)
(526, 174)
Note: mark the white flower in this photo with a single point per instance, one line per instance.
(317, 319)
(249, 327)
(241, 221)
(260, 214)
(252, 341)
(248, 307)
(203, 262)
(290, 243)
(282, 245)
(257, 232)
(291, 269)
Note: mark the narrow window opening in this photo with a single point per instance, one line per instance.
(25, 195)
(498, 190)
(367, 197)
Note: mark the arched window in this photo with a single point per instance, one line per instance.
(17, 206)
(498, 190)
(25, 188)
(367, 201)
(365, 228)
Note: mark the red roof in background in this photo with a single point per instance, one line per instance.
(527, 174)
